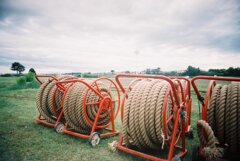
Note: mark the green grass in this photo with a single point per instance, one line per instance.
(21, 138)
(7, 82)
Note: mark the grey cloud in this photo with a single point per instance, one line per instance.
(14, 14)
(204, 26)
(99, 35)
(14, 9)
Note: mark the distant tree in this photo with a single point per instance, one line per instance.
(192, 71)
(232, 72)
(32, 70)
(218, 72)
(112, 71)
(16, 66)
(148, 71)
(171, 73)
(225, 72)
(156, 71)
(127, 71)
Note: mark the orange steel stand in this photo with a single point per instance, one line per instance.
(205, 101)
(104, 103)
(187, 99)
(179, 106)
(39, 118)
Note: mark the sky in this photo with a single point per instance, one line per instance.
(102, 35)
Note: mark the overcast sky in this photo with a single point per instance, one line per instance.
(100, 35)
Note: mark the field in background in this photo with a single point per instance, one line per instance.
(21, 138)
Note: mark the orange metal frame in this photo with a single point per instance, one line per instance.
(104, 103)
(205, 101)
(187, 99)
(179, 106)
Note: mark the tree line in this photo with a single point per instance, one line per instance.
(19, 68)
(190, 71)
(194, 71)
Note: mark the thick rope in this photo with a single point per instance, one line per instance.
(126, 117)
(232, 116)
(223, 120)
(220, 115)
(44, 99)
(74, 107)
(205, 134)
(212, 107)
(143, 113)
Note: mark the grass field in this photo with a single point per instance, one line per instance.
(21, 138)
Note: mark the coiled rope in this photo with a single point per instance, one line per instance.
(223, 119)
(143, 114)
(44, 99)
(74, 107)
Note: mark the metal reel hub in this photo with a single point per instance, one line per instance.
(59, 127)
(94, 139)
(106, 102)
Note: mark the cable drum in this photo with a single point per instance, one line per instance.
(143, 114)
(48, 99)
(76, 113)
(223, 117)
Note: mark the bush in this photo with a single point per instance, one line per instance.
(33, 84)
(30, 77)
(6, 75)
(21, 81)
(26, 81)
(32, 70)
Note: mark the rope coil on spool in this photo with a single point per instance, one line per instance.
(143, 114)
(222, 118)
(154, 113)
(79, 107)
(48, 99)
(74, 107)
